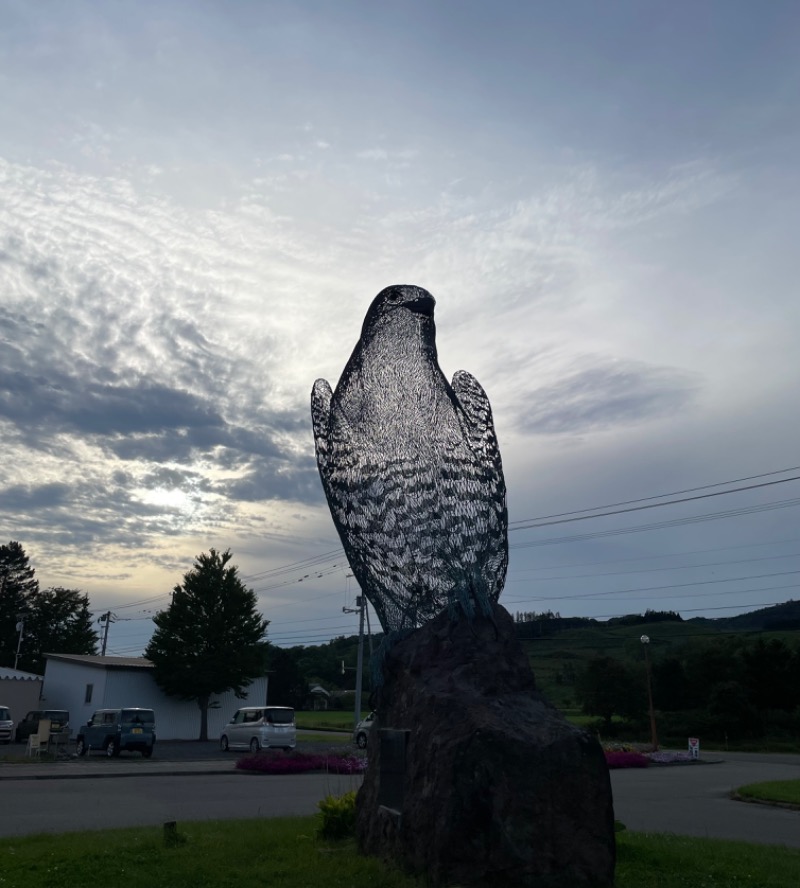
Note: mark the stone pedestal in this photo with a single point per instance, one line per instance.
(473, 778)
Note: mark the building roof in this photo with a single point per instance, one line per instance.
(18, 674)
(103, 662)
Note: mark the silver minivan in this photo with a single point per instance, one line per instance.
(260, 727)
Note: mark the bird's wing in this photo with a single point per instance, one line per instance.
(321, 396)
(477, 424)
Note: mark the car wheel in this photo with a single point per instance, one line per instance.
(147, 753)
(112, 750)
(223, 743)
(254, 745)
(80, 747)
(361, 741)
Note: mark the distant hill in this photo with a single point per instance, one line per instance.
(559, 648)
(776, 618)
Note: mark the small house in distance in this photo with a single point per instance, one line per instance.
(19, 691)
(82, 684)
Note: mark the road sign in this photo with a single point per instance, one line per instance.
(694, 747)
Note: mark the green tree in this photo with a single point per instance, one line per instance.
(18, 585)
(609, 687)
(211, 637)
(59, 622)
(708, 662)
(770, 674)
(670, 685)
(735, 713)
(287, 686)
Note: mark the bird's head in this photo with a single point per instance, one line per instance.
(399, 297)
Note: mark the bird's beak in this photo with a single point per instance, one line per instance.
(421, 305)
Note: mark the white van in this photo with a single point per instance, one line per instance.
(260, 727)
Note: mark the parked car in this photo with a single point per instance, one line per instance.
(114, 730)
(361, 733)
(260, 727)
(59, 721)
(6, 725)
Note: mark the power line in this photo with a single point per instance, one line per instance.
(303, 564)
(618, 573)
(583, 595)
(657, 557)
(660, 525)
(525, 522)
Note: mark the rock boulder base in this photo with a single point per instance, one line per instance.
(495, 788)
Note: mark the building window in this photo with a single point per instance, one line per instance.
(88, 697)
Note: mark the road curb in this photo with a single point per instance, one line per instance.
(173, 772)
(789, 806)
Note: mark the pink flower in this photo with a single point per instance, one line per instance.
(626, 760)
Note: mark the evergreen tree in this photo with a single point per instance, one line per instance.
(59, 623)
(18, 585)
(211, 637)
(287, 685)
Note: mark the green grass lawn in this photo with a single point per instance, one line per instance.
(332, 719)
(322, 739)
(667, 861)
(784, 791)
(285, 853)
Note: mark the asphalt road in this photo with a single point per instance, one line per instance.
(36, 806)
(694, 800)
(688, 800)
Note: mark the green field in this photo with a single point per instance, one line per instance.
(325, 720)
(286, 853)
(784, 792)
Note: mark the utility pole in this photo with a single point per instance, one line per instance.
(107, 618)
(20, 627)
(645, 640)
(361, 606)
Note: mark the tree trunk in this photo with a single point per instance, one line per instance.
(202, 702)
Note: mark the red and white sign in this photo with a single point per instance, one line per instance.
(694, 747)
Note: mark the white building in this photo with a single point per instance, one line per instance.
(83, 684)
(19, 691)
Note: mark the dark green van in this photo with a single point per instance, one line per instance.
(114, 730)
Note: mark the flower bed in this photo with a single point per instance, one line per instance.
(627, 756)
(669, 758)
(619, 759)
(300, 763)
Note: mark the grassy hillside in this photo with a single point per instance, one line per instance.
(557, 658)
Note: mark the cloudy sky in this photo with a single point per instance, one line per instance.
(199, 200)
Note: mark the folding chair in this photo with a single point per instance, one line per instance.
(41, 740)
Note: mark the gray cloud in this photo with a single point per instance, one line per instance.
(296, 480)
(608, 394)
(62, 403)
(20, 497)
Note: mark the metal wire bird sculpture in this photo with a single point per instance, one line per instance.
(412, 471)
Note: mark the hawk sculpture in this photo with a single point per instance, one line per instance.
(411, 470)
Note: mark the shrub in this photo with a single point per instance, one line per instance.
(338, 816)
